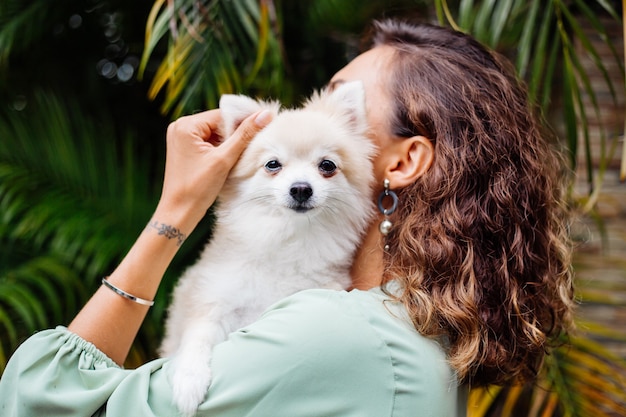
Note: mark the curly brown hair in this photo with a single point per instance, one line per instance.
(480, 244)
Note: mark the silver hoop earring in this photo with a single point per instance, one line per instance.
(386, 224)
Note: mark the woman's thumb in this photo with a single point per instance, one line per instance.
(263, 118)
(246, 131)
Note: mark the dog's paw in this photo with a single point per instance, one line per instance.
(189, 384)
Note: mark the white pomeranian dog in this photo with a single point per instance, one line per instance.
(289, 218)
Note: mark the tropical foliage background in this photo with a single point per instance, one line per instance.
(87, 89)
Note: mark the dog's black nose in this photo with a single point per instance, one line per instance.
(301, 191)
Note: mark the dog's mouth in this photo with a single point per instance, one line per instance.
(301, 207)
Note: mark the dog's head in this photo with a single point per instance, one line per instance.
(316, 159)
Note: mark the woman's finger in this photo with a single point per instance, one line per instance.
(242, 136)
(204, 126)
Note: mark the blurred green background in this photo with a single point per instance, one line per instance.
(88, 87)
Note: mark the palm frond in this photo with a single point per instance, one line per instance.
(549, 43)
(65, 184)
(588, 379)
(21, 24)
(351, 15)
(35, 293)
(579, 379)
(214, 47)
(72, 200)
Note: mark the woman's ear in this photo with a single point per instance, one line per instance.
(409, 159)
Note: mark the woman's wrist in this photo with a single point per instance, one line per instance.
(168, 231)
(175, 221)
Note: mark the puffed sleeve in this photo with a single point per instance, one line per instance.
(57, 373)
(309, 355)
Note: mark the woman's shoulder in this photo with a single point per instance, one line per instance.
(324, 325)
(360, 344)
(368, 315)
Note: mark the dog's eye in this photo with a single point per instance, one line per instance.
(327, 167)
(273, 166)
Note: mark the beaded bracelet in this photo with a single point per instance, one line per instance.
(126, 295)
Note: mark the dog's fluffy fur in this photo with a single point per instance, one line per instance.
(289, 218)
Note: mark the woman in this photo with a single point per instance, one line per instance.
(469, 284)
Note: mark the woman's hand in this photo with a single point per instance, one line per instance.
(199, 159)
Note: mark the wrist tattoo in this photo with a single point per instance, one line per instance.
(170, 232)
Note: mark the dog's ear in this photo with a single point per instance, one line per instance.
(349, 97)
(235, 108)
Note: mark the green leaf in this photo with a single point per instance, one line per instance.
(481, 29)
(71, 207)
(214, 51)
(21, 25)
(499, 20)
(466, 13)
(587, 45)
(606, 5)
(569, 107)
(156, 29)
(525, 47)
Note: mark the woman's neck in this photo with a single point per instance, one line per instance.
(367, 267)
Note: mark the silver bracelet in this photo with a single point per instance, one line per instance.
(126, 295)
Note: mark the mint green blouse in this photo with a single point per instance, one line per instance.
(316, 353)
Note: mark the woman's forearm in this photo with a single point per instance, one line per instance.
(110, 321)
